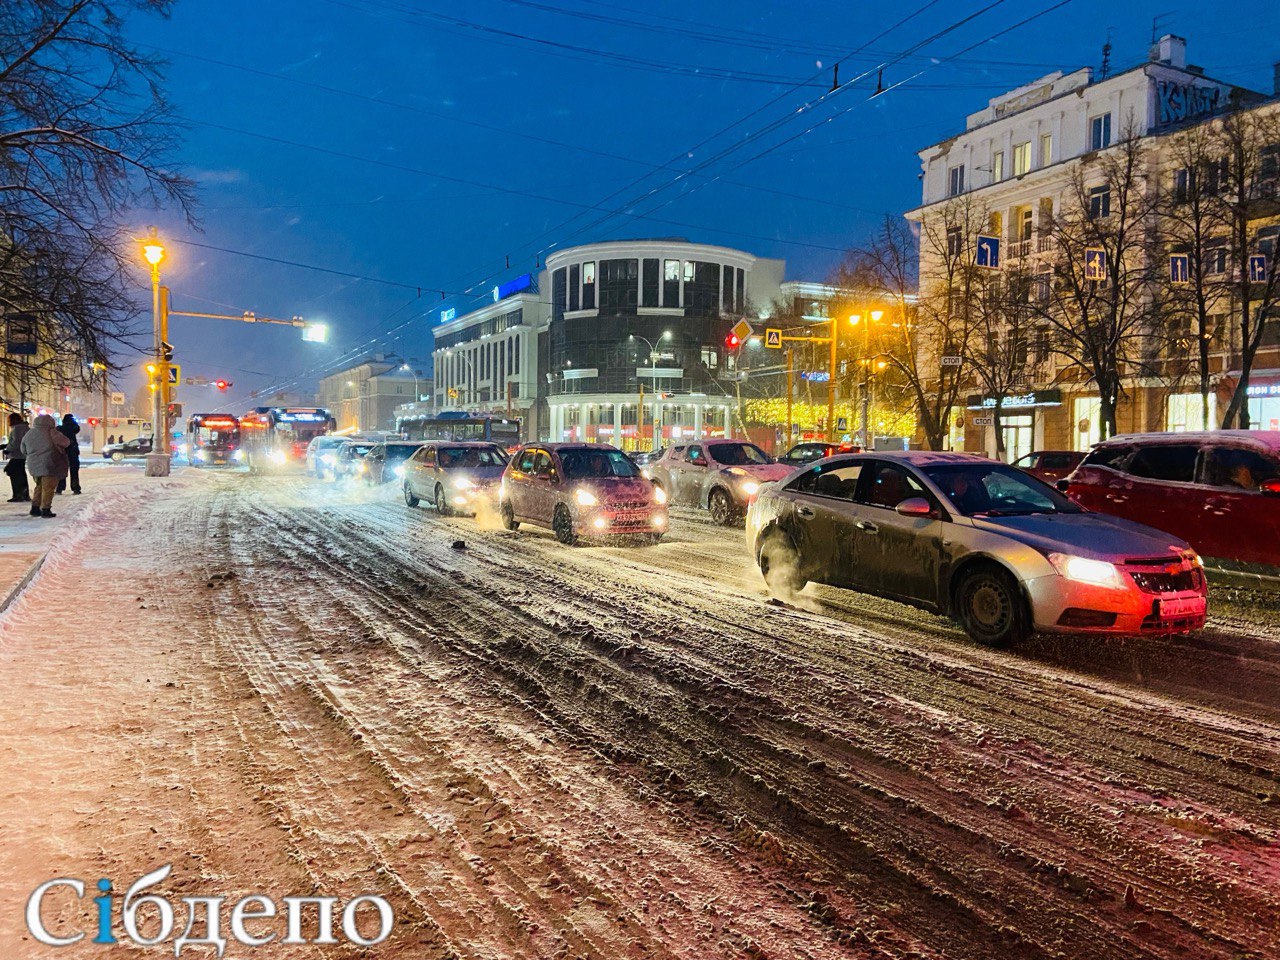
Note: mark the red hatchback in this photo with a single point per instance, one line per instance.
(581, 490)
(1049, 465)
(1219, 491)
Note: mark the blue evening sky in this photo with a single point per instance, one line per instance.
(423, 142)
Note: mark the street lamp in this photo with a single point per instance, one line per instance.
(158, 460)
(653, 355)
(471, 370)
(872, 317)
(416, 393)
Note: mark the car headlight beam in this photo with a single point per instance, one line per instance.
(659, 495)
(585, 498)
(1086, 570)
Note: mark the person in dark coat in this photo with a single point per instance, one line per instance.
(16, 466)
(69, 428)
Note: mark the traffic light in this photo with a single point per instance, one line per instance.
(166, 349)
(221, 384)
(94, 421)
(732, 341)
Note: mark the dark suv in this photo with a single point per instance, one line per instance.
(581, 490)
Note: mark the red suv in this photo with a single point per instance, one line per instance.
(581, 490)
(1219, 491)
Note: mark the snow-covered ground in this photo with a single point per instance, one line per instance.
(604, 752)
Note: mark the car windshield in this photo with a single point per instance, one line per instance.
(984, 489)
(584, 464)
(463, 458)
(738, 454)
(400, 452)
(360, 449)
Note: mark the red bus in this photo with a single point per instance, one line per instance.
(213, 439)
(276, 438)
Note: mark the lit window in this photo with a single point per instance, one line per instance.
(589, 272)
(688, 271)
(997, 166)
(671, 270)
(1021, 158)
(1046, 149)
(1100, 132)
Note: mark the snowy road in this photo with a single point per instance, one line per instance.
(541, 752)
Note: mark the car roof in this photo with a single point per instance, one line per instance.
(1269, 439)
(560, 447)
(919, 457)
(459, 443)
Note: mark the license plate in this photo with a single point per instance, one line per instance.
(1177, 608)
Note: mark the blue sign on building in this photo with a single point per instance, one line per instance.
(447, 315)
(816, 376)
(1095, 264)
(1258, 268)
(988, 253)
(1180, 268)
(512, 287)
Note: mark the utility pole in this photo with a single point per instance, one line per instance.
(790, 389)
(640, 421)
(831, 381)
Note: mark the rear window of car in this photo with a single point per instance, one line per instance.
(1057, 461)
(1172, 463)
(1113, 457)
(1238, 469)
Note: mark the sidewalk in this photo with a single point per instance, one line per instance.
(24, 539)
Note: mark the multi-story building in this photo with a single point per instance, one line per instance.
(605, 325)
(1019, 161)
(364, 396)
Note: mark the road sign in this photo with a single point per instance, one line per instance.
(772, 337)
(987, 254)
(983, 421)
(1258, 268)
(952, 361)
(1095, 263)
(842, 424)
(175, 374)
(117, 398)
(1180, 268)
(742, 330)
(21, 340)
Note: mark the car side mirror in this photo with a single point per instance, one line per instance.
(1062, 485)
(915, 507)
(1270, 488)
(553, 477)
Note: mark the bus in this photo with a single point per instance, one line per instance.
(275, 438)
(457, 426)
(213, 439)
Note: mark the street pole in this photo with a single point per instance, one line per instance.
(831, 381)
(640, 421)
(106, 385)
(790, 389)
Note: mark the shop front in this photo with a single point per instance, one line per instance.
(1264, 403)
(1021, 422)
(613, 420)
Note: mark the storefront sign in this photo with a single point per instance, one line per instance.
(660, 373)
(1036, 398)
(512, 287)
(1263, 390)
(582, 373)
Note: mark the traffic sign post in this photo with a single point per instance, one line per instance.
(773, 338)
(1095, 263)
(1180, 268)
(987, 254)
(1258, 268)
(742, 330)
(952, 361)
(175, 374)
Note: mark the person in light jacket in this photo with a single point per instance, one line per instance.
(16, 468)
(46, 451)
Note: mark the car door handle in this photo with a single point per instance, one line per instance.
(867, 526)
(806, 512)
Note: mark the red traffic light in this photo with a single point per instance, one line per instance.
(221, 384)
(732, 341)
(94, 421)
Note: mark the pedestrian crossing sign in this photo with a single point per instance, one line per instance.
(772, 337)
(175, 374)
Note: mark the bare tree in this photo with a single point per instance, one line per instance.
(84, 136)
(998, 351)
(1103, 321)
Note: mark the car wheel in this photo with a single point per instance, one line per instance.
(409, 498)
(991, 609)
(562, 526)
(509, 520)
(780, 565)
(442, 505)
(117, 457)
(722, 509)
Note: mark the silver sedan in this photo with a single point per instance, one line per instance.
(1002, 552)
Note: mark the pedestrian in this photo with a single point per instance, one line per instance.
(45, 449)
(111, 439)
(16, 467)
(69, 428)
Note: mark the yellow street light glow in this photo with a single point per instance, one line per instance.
(876, 315)
(153, 249)
(151, 369)
(856, 319)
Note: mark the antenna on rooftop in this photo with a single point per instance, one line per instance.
(1157, 22)
(1106, 56)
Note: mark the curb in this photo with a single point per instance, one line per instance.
(22, 584)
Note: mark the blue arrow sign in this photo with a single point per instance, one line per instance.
(1258, 268)
(1180, 268)
(988, 253)
(1095, 264)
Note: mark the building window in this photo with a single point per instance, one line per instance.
(955, 242)
(740, 304)
(726, 289)
(1184, 184)
(559, 293)
(1026, 220)
(1100, 132)
(1046, 149)
(671, 283)
(688, 271)
(1100, 202)
(1269, 162)
(619, 283)
(1217, 175)
(589, 272)
(1021, 158)
(1087, 420)
(1215, 257)
(997, 166)
(589, 285)
(710, 358)
(649, 283)
(575, 274)
(955, 180)
(1186, 412)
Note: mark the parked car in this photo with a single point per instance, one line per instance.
(348, 456)
(322, 454)
(643, 458)
(581, 490)
(138, 447)
(386, 461)
(809, 451)
(1003, 553)
(1219, 491)
(1049, 465)
(455, 477)
(720, 475)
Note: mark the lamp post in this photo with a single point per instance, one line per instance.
(872, 317)
(471, 370)
(416, 391)
(158, 460)
(653, 353)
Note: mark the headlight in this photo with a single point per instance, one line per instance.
(328, 458)
(463, 483)
(585, 498)
(399, 472)
(659, 495)
(1084, 570)
(238, 455)
(360, 468)
(199, 455)
(737, 471)
(750, 488)
(278, 457)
